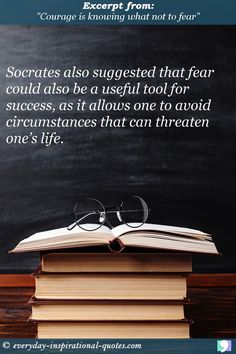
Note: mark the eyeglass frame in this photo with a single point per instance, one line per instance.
(107, 210)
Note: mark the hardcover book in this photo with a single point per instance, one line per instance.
(147, 236)
(106, 310)
(127, 286)
(155, 329)
(69, 262)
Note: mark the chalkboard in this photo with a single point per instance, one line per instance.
(187, 176)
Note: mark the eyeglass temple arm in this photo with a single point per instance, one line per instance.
(71, 227)
(109, 224)
(99, 213)
(109, 210)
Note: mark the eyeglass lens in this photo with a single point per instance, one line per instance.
(89, 214)
(134, 211)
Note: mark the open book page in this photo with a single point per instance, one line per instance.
(157, 228)
(158, 235)
(63, 238)
(174, 244)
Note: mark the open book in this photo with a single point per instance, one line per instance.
(147, 236)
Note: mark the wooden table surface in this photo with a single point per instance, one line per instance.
(212, 306)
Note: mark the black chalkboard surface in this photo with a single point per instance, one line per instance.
(187, 176)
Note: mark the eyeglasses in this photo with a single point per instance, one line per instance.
(90, 214)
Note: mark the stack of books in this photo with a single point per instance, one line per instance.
(127, 294)
(120, 295)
